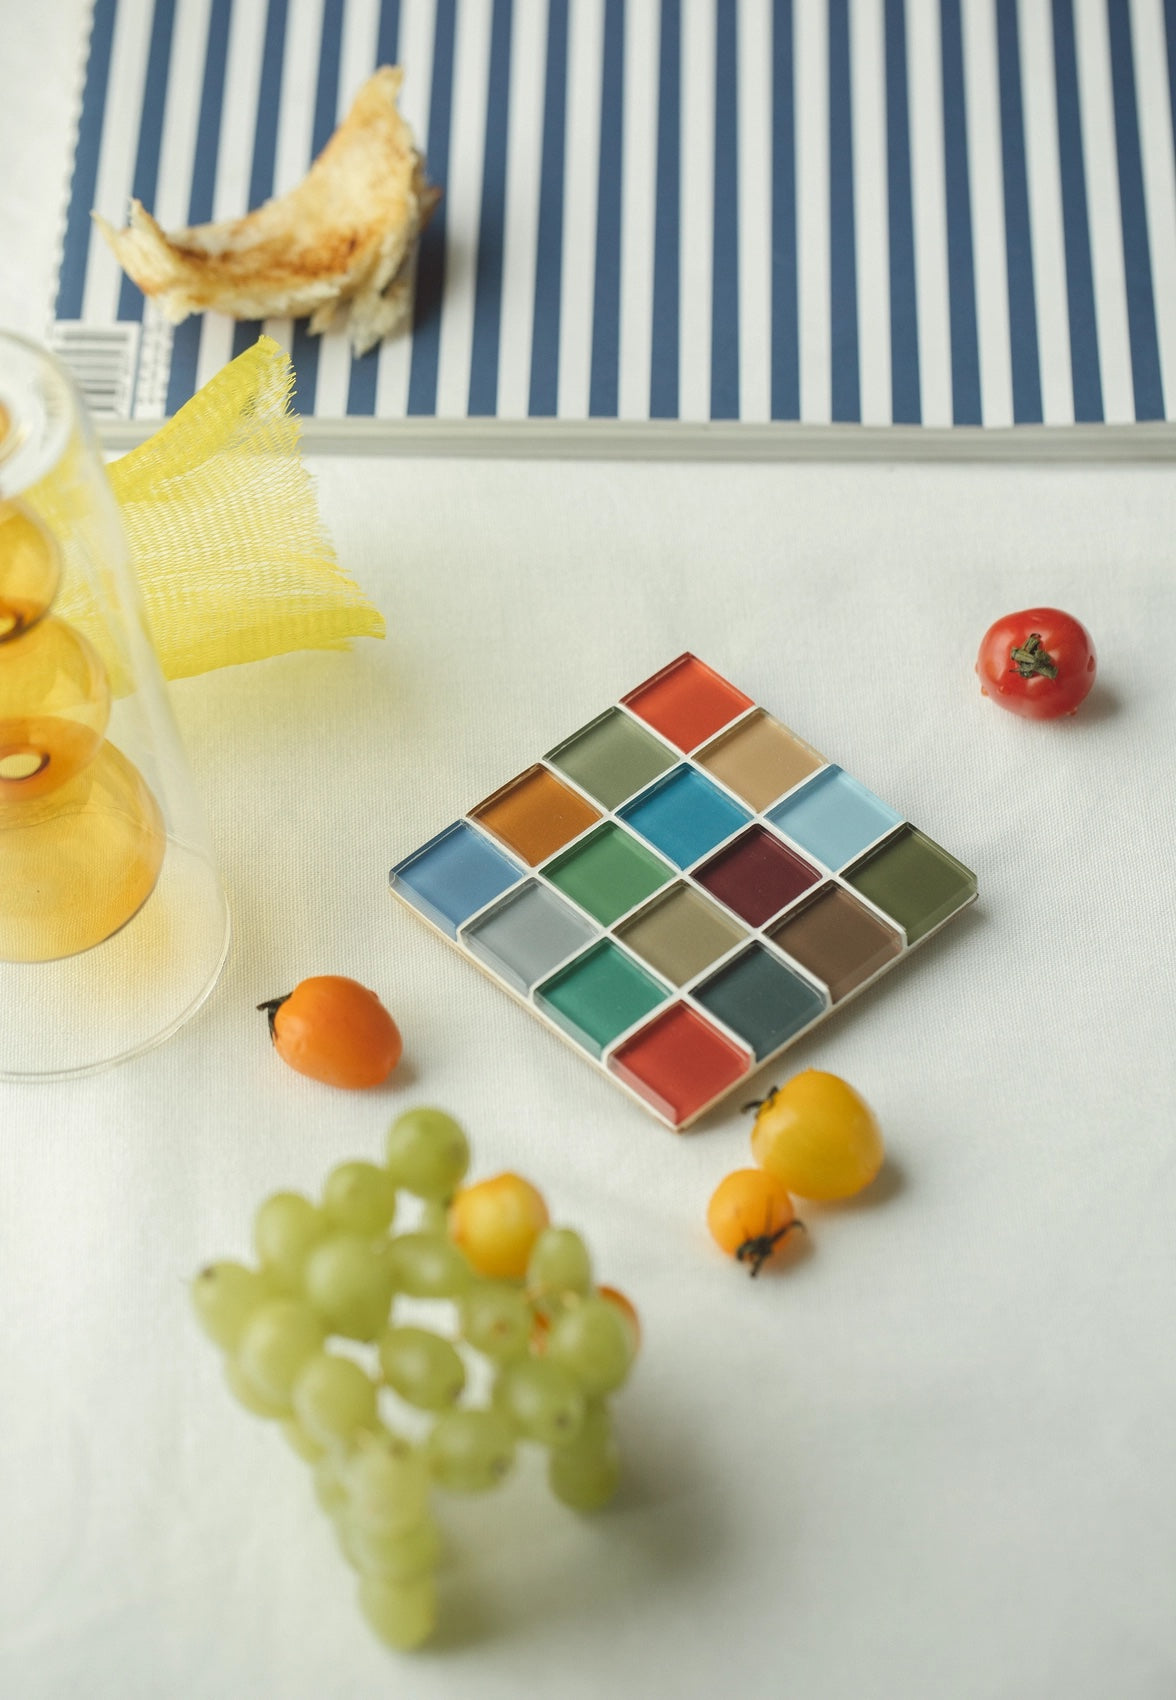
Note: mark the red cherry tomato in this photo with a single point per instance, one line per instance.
(1039, 663)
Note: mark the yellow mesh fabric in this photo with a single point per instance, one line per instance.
(233, 561)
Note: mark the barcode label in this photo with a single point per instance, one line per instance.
(101, 359)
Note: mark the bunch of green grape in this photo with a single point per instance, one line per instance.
(315, 1338)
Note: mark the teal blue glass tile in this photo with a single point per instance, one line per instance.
(684, 815)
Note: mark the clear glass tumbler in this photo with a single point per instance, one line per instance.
(113, 921)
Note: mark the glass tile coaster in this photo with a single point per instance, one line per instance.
(681, 887)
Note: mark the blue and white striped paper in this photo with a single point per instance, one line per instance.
(913, 211)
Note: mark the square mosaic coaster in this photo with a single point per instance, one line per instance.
(682, 888)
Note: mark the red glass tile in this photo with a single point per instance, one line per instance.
(679, 1062)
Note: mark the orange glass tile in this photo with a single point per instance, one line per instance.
(536, 814)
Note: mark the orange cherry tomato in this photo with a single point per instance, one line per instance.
(749, 1214)
(540, 1329)
(335, 1030)
(628, 1310)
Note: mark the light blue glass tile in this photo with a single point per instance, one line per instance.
(833, 817)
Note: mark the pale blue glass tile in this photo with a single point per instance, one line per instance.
(833, 817)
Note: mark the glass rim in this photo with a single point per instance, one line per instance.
(39, 411)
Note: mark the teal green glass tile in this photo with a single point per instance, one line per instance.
(599, 995)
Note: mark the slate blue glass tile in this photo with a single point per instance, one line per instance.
(453, 875)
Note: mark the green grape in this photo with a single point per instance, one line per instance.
(422, 1367)
(586, 1474)
(470, 1451)
(284, 1230)
(427, 1153)
(301, 1442)
(544, 1401)
(428, 1266)
(397, 1558)
(329, 1487)
(387, 1482)
(402, 1614)
(278, 1339)
(246, 1394)
(224, 1297)
(559, 1263)
(591, 1340)
(333, 1397)
(360, 1198)
(434, 1217)
(349, 1283)
(496, 1319)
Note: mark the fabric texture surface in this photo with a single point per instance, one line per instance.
(933, 1457)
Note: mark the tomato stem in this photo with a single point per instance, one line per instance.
(271, 1007)
(757, 1104)
(760, 1247)
(1031, 660)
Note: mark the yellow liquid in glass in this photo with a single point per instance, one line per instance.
(81, 836)
(77, 865)
(29, 570)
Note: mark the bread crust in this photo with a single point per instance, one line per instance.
(344, 235)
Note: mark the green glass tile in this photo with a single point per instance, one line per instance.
(599, 995)
(612, 758)
(912, 879)
(608, 873)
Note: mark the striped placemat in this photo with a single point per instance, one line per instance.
(935, 212)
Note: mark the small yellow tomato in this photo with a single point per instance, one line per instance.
(817, 1137)
(749, 1215)
(496, 1223)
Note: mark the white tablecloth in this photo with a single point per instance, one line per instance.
(933, 1459)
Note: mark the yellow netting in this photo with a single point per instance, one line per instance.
(233, 561)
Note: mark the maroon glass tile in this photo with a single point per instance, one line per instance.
(757, 875)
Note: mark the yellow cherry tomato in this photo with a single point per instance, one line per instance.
(749, 1215)
(818, 1137)
(496, 1223)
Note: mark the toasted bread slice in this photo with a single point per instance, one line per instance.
(345, 232)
